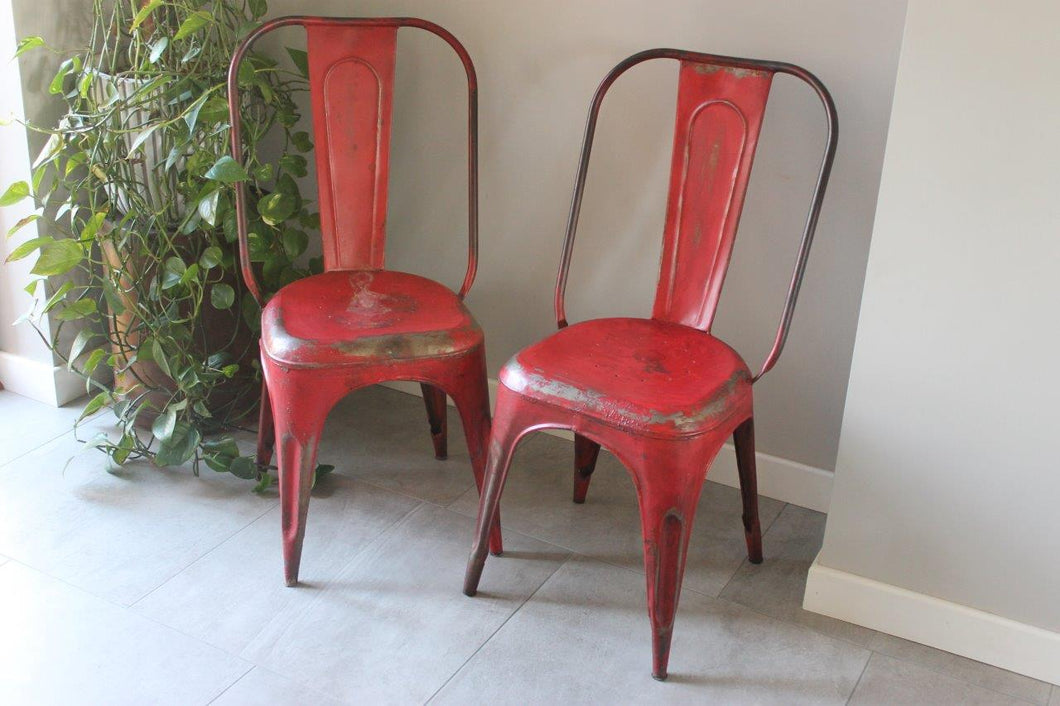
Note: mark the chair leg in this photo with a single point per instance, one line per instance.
(501, 447)
(434, 399)
(266, 431)
(744, 441)
(299, 421)
(473, 406)
(666, 523)
(586, 451)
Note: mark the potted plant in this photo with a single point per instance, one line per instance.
(137, 223)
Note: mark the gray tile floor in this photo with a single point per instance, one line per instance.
(156, 587)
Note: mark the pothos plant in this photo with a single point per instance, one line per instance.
(135, 208)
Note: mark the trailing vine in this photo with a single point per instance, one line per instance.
(137, 245)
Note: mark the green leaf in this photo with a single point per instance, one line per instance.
(208, 207)
(229, 370)
(265, 483)
(94, 405)
(157, 48)
(191, 115)
(301, 61)
(221, 446)
(222, 296)
(164, 425)
(211, 257)
(301, 141)
(26, 248)
(179, 447)
(121, 453)
(58, 296)
(58, 257)
(78, 346)
(93, 360)
(77, 310)
(56, 86)
(263, 172)
(144, 13)
(294, 164)
(32, 218)
(15, 193)
(195, 22)
(294, 242)
(277, 208)
(173, 272)
(227, 171)
(159, 356)
(28, 43)
(143, 137)
(88, 233)
(244, 467)
(214, 111)
(257, 8)
(190, 274)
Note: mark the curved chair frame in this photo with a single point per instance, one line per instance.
(667, 464)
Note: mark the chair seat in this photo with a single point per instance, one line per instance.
(349, 317)
(653, 376)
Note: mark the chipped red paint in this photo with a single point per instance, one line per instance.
(662, 394)
(358, 324)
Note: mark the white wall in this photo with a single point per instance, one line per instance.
(947, 482)
(538, 65)
(27, 366)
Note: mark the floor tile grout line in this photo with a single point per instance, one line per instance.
(209, 551)
(369, 546)
(744, 561)
(499, 627)
(128, 609)
(241, 677)
(38, 447)
(860, 676)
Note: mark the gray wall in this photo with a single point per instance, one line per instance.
(947, 480)
(538, 65)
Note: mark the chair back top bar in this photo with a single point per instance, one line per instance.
(351, 65)
(720, 105)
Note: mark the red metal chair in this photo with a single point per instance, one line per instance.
(662, 394)
(358, 324)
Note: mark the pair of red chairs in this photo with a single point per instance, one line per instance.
(662, 394)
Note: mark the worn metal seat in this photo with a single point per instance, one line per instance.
(649, 377)
(362, 317)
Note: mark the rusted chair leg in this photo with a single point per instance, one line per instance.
(503, 438)
(434, 399)
(668, 491)
(744, 441)
(266, 431)
(586, 451)
(298, 411)
(473, 404)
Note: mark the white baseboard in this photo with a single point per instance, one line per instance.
(50, 384)
(778, 478)
(952, 627)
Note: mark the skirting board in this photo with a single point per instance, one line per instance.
(50, 384)
(952, 627)
(778, 478)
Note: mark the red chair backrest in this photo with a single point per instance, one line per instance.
(720, 105)
(351, 83)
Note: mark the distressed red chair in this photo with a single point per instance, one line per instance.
(358, 324)
(662, 394)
